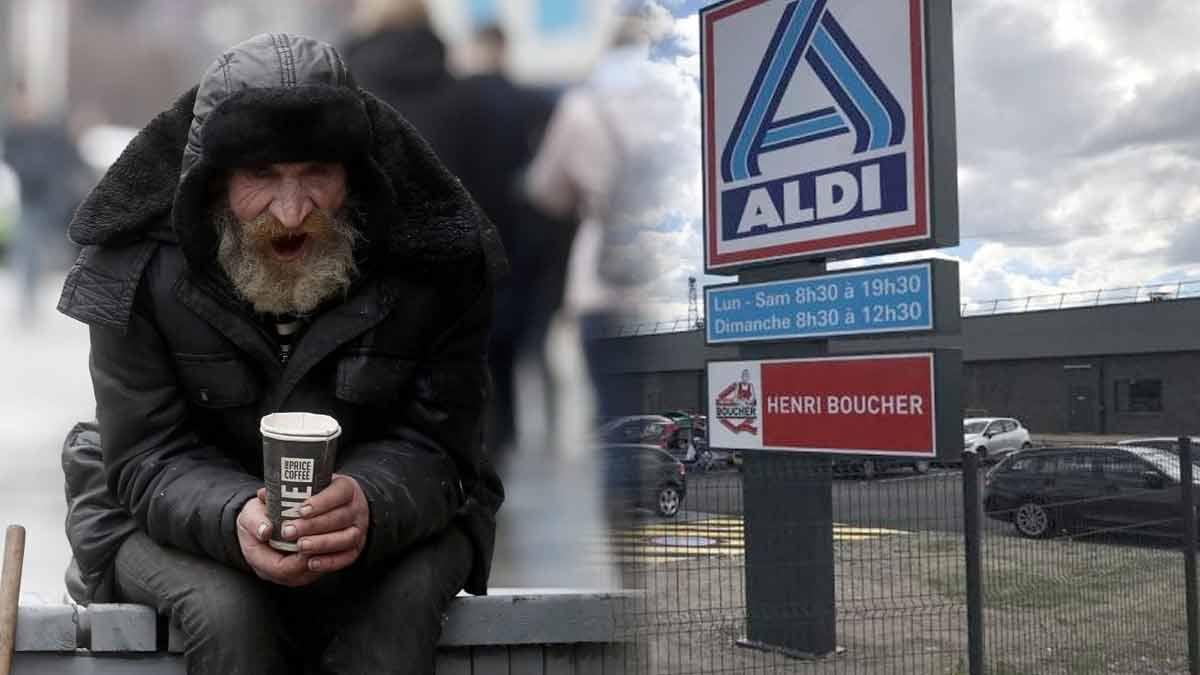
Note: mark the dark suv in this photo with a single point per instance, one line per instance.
(1122, 488)
(643, 476)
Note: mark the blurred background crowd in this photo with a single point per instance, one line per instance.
(532, 103)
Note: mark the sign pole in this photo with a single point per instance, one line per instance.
(787, 502)
(827, 133)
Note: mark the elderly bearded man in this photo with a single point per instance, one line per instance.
(280, 240)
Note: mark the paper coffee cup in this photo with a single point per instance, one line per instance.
(299, 450)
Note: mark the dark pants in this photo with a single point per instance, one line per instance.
(386, 621)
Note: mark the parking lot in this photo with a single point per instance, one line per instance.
(900, 586)
(900, 499)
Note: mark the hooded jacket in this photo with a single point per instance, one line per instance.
(183, 369)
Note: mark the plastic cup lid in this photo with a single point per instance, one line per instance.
(299, 425)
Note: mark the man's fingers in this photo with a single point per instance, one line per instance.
(339, 492)
(261, 494)
(254, 524)
(263, 559)
(334, 542)
(337, 519)
(334, 562)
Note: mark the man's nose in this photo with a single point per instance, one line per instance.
(291, 206)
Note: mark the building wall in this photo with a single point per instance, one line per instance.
(1056, 370)
(636, 393)
(1039, 392)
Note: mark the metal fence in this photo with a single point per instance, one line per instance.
(948, 571)
(1108, 296)
(1179, 290)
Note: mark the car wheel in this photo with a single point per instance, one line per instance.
(921, 467)
(668, 501)
(1026, 445)
(869, 470)
(981, 451)
(1033, 521)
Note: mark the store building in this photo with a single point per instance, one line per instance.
(1116, 369)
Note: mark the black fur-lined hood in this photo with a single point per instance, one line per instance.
(272, 98)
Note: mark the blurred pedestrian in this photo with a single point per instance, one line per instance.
(485, 128)
(396, 55)
(500, 125)
(42, 153)
(595, 165)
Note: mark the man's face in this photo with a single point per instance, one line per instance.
(289, 193)
(286, 236)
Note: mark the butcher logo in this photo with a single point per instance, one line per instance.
(737, 406)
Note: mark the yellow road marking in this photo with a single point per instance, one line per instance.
(640, 544)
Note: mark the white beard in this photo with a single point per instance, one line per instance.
(296, 287)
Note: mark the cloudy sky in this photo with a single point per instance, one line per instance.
(1078, 147)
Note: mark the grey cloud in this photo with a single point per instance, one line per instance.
(1017, 92)
(1185, 243)
(1160, 114)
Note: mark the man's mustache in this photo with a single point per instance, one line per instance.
(266, 226)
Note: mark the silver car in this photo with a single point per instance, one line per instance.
(994, 437)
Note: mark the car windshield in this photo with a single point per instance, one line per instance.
(974, 427)
(1162, 460)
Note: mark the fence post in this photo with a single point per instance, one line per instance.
(1189, 552)
(973, 540)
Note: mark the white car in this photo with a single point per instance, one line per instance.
(1169, 443)
(994, 437)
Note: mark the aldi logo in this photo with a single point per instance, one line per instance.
(816, 142)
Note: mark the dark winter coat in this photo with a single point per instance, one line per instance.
(183, 370)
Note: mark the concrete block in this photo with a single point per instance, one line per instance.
(122, 628)
(46, 628)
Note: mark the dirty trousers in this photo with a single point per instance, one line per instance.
(384, 620)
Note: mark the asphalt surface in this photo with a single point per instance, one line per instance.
(900, 499)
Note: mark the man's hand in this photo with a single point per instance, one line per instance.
(333, 528)
(254, 530)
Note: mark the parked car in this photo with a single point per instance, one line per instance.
(1047, 490)
(643, 476)
(994, 437)
(654, 430)
(870, 467)
(1168, 443)
(688, 426)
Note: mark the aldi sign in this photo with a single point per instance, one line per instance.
(884, 404)
(818, 129)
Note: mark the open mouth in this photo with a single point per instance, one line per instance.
(288, 246)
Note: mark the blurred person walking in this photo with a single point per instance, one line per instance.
(50, 174)
(485, 129)
(596, 165)
(500, 128)
(396, 55)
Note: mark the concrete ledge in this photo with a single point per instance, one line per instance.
(511, 632)
(47, 628)
(505, 618)
(532, 616)
(120, 628)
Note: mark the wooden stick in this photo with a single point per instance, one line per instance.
(10, 594)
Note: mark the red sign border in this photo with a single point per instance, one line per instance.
(919, 230)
